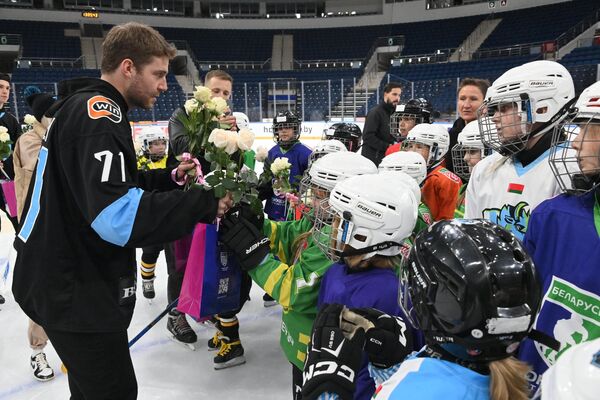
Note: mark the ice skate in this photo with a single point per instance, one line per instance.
(180, 331)
(230, 355)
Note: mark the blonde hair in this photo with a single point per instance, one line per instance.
(508, 379)
(377, 261)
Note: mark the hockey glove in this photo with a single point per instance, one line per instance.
(247, 243)
(388, 339)
(248, 213)
(333, 360)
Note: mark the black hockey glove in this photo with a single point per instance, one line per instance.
(248, 213)
(332, 360)
(247, 243)
(388, 339)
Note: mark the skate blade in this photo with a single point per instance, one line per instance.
(189, 346)
(231, 363)
(268, 304)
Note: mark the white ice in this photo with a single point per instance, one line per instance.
(164, 369)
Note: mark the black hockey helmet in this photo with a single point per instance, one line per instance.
(283, 120)
(419, 109)
(470, 284)
(347, 133)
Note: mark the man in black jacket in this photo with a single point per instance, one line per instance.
(376, 133)
(87, 210)
(14, 130)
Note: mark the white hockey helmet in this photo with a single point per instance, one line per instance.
(328, 170)
(408, 162)
(241, 120)
(578, 171)
(325, 147)
(407, 180)
(535, 92)
(575, 375)
(372, 214)
(434, 136)
(468, 139)
(149, 134)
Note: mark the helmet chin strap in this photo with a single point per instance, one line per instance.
(369, 249)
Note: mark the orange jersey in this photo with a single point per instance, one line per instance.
(440, 192)
(393, 149)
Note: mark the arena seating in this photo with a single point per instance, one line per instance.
(29, 81)
(539, 23)
(44, 39)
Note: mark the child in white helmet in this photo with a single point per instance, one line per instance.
(293, 270)
(516, 119)
(563, 237)
(413, 165)
(441, 187)
(466, 153)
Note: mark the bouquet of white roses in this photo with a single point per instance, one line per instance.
(222, 148)
(29, 121)
(201, 117)
(281, 176)
(5, 142)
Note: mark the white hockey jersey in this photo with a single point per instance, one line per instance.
(505, 192)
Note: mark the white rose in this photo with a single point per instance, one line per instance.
(245, 139)
(4, 136)
(3, 129)
(261, 154)
(190, 105)
(202, 94)
(232, 142)
(219, 138)
(29, 119)
(280, 164)
(220, 105)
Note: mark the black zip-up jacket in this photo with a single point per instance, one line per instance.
(88, 208)
(376, 133)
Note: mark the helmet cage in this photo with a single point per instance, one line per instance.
(566, 162)
(277, 126)
(506, 123)
(396, 119)
(461, 167)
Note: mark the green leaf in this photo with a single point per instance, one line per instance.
(213, 180)
(208, 156)
(237, 196)
(220, 191)
(229, 184)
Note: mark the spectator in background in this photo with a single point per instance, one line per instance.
(14, 130)
(376, 133)
(25, 159)
(471, 92)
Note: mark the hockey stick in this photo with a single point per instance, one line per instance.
(154, 322)
(143, 331)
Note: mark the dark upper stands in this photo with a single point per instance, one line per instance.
(44, 39)
(538, 23)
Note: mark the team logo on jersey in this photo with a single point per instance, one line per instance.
(453, 177)
(571, 314)
(103, 107)
(513, 218)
